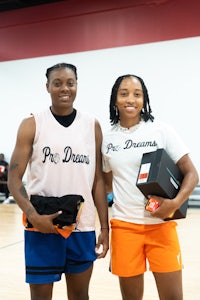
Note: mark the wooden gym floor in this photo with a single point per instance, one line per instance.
(103, 284)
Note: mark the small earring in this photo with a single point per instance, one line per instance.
(116, 110)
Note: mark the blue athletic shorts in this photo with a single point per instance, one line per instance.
(48, 256)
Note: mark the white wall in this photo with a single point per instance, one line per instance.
(170, 70)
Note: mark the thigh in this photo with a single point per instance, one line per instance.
(41, 291)
(132, 287)
(78, 284)
(127, 249)
(162, 248)
(169, 285)
(80, 252)
(45, 257)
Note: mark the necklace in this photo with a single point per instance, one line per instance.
(129, 129)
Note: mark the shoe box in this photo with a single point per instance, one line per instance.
(159, 175)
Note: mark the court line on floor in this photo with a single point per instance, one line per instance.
(10, 245)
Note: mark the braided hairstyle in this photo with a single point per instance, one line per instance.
(114, 113)
(61, 66)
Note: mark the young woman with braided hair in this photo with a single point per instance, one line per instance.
(137, 235)
(61, 147)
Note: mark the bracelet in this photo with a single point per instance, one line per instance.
(104, 228)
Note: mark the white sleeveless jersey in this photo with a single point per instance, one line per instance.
(63, 161)
(122, 153)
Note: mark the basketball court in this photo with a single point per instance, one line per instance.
(103, 285)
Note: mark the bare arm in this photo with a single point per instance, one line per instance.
(18, 164)
(99, 195)
(190, 180)
(19, 160)
(108, 181)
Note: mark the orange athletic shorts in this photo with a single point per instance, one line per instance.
(133, 246)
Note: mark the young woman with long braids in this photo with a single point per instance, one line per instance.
(137, 235)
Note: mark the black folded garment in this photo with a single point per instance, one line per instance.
(68, 204)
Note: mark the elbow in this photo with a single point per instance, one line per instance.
(197, 178)
(10, 182)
